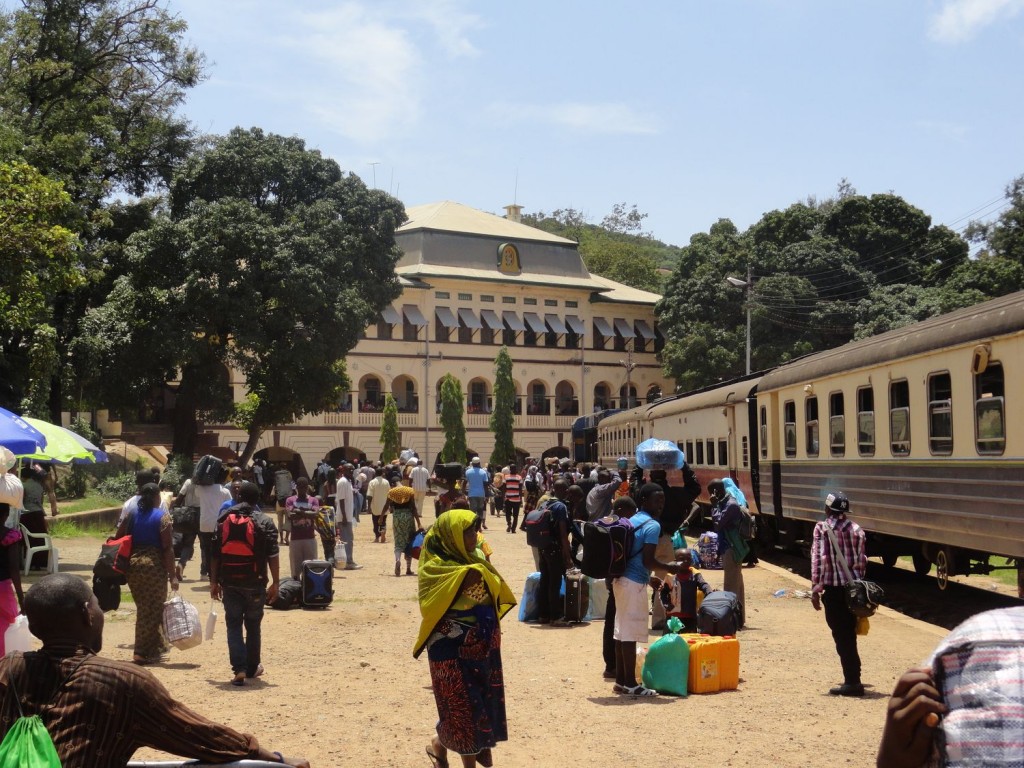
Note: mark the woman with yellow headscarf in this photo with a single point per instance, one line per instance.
(462, 600)
(405, 520)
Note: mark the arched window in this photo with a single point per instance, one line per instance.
(538, 399)
(403, 388)
(602, 397)
(479, 397)
(371, 397)
(627, 396)
(566, 403)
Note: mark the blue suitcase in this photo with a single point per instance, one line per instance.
(317, 583)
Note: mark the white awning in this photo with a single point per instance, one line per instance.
(603, 327)
(446, 317)
(413, 315)
(469, 319)
(536, 324)
(576, 325)
(624, 329)
(513, 321)
(490, 317)
(555, 323)
(644, 330)
(390, 315)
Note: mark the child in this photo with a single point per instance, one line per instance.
(11, 597)
(679, 593)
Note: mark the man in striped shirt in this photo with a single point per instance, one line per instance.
(513, 497)
(827, 580)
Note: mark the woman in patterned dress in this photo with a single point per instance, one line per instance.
(405, 521)
(462, 600)
(151, 567)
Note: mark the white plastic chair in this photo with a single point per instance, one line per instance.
(45, 545)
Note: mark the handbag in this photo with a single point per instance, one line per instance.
(862, 596)
(115, 556)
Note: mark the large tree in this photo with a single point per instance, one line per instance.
(90, 92)
(270, 261)
(502, 422)
(452, 407)
(38, 257)
(1004, 237)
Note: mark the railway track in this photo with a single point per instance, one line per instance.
(916, 596)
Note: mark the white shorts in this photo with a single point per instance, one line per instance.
(631, 610)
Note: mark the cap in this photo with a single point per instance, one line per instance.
(837, 502)
(475, 460)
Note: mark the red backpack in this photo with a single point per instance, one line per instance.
(237, 534)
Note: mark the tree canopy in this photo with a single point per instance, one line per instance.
(268, 260)
(451, 420)
(502, 421)
(824, 274)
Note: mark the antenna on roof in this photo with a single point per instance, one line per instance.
(515, 189)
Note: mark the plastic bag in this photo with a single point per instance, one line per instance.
(211, 624)
(17, 637)
(28, 745)
(659, 454)
(181, 622)
(667, 665)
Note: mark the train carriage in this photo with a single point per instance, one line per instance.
(923, 427)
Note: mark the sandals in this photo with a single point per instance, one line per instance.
(259, 671)
(238, 679)
(437, 761)
(637, 690)
(398, 569)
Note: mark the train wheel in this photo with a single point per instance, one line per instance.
(921, 564)
(943, 567)
(889, 559)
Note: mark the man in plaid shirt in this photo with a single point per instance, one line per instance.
(827, 580)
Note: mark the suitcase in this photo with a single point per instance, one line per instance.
(719, 614)
(528, 605)
(449, 473)
(317, 583)
(577, 596)
(208, 471)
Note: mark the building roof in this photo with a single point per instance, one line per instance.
(619, 292)
(448, 216)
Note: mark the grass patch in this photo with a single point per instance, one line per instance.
(91, 501)
(71, 529)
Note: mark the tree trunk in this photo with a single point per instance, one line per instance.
(185, 417)
(255, 433)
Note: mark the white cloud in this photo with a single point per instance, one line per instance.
(594, 118)
(960, 20)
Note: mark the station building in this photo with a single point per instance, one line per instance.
(472, 282)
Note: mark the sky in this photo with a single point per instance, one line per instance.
(691, 111)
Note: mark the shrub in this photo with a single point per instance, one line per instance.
(119, 486)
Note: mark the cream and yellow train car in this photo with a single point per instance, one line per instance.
(715, 429)
(619, 434)
(922, 427)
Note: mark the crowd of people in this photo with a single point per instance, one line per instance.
(462, 598)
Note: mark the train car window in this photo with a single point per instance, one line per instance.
(899, 418)
(866, 421)
(989, 410)
(789, 425)
(723, 453)
(940, 414)
(746, 451)
(764, 432)
(700, 451)
(836, 424)
(711, 453)
(811, 417)
(689, 450)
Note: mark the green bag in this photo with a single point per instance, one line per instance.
(667, 665)
(28, 745)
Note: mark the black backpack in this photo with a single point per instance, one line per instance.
(606, 546)
(289, 595)
(208, 471)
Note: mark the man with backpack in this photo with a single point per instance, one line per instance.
(244, 549)
(547, 528)
(98, 711)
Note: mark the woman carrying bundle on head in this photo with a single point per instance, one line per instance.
(405, 521)
(462, 600)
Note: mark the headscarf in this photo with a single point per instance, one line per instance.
(733, 490)
(444, 563)
(401, 495)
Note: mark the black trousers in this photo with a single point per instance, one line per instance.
(512, 514)
(844, 632)
(608, 637)
(549, 601)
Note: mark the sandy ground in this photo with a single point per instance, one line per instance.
(342, 688)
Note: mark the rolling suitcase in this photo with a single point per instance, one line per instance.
(317, 583)
(577, 596)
